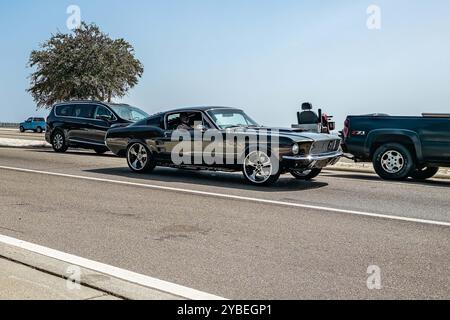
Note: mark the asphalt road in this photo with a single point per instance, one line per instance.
(235, 248)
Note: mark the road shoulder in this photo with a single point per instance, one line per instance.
(33, 276)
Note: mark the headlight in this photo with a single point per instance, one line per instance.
(295, 149)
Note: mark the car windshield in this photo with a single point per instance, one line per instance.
(129, 113)
(227, 118)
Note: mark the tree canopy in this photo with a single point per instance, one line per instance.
(85, 64)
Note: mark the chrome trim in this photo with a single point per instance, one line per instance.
(87, 142)
(318, 157)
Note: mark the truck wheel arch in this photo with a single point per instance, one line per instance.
(408, 138)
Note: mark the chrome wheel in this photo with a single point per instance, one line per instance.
(58, 141)
(137, 157)
(258, 167)
(392, 161)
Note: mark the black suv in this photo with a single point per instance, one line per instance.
(83, 124)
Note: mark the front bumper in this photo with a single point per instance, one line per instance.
(312, 161)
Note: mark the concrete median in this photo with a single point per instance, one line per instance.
(347, 166)
(22, 143)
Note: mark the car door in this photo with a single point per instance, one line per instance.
(102, 120)
(28, 124)
(82, 116)
(169, 144)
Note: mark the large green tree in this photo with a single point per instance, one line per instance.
(85, 64)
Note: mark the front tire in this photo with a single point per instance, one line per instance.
(139, 158)
(59, 142)
(393, 161)
(306, 175)
(22, 129)
(260, 169)
(424, 173)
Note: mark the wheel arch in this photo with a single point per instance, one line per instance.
(407, 138)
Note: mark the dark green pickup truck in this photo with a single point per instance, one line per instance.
(400, 147)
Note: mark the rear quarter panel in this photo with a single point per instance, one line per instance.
(118, 139)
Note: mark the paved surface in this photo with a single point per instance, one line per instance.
(18, 282)
(234, 248)
(15, 134)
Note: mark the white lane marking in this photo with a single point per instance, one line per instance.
(115, 272)
(234, 197)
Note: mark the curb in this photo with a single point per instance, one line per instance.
(19, 143)
(115, 287)
(368, 169)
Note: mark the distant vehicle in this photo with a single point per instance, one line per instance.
(400, 147)
(33, 124)
(310, 121)
(150, 143)
(83, 124)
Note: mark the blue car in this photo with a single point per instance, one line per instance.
(34, 124)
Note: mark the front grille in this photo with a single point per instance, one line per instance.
(325, 146)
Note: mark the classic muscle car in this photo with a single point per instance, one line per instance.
(222, 139)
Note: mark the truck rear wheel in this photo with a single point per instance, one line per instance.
(424, 173)
(393, 161)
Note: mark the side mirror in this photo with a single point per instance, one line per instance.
(201, 127)
(104, 118)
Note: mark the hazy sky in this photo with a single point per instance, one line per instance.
(263, 56)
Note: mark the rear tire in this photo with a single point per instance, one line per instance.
(306, 175)
(39, 130)
(424, 173)
(59, 142)
(140, 158)
(393, 161)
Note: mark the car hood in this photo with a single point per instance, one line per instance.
(296, 136)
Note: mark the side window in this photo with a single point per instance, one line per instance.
(173, 121)
(185, 120)
(84, 111)
(64, 111)
(102, 112)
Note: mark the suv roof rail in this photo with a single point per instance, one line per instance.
(436, 115)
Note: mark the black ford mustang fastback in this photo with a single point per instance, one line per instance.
(222, 139)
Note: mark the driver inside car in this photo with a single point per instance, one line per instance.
(184, 123)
